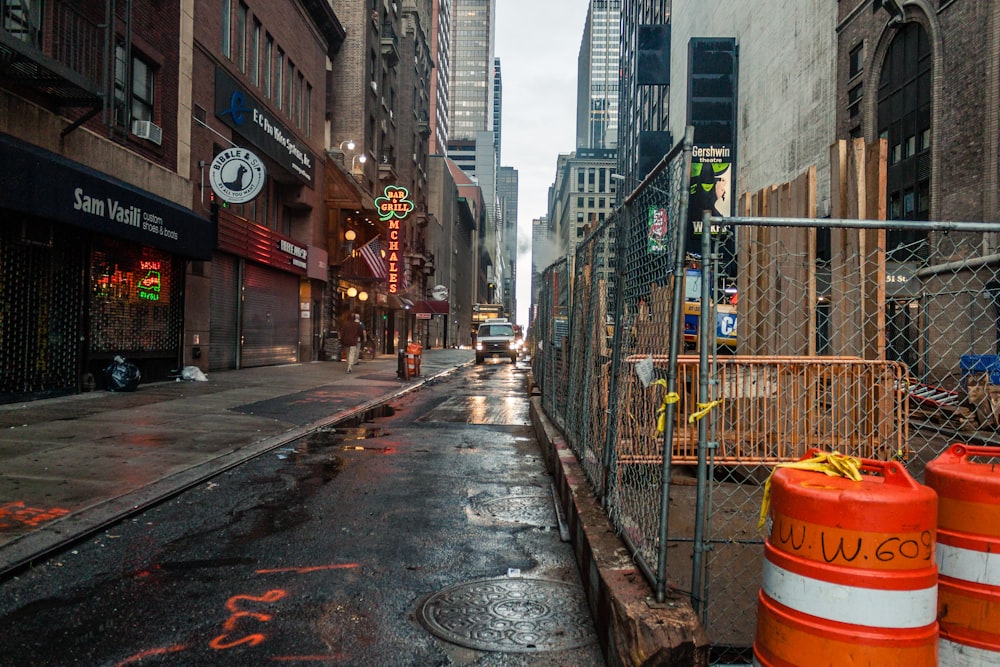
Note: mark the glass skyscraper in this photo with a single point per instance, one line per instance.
(471, 90)
(597, 77)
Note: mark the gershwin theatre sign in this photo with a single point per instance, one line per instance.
(393, 207)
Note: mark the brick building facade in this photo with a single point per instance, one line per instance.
(95, 219)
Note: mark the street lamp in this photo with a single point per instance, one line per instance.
(349, 144)
(362, 296)
(358, 159)
(352, 292)
(349, 237)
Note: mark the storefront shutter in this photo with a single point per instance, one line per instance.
(270, 317)
(223, 331)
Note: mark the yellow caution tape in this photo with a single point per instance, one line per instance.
(703, 409)
(832, 464)
(661, 412)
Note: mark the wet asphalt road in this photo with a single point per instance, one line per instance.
(360, 545)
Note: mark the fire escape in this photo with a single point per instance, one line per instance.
(58, 53)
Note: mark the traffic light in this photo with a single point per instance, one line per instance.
(215, 203)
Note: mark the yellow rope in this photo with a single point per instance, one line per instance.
(831, 464)
(703, 409)
(661, 412)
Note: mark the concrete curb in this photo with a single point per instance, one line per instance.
(632, 627)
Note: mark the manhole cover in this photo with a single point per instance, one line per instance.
(532, 510)
(511, 615)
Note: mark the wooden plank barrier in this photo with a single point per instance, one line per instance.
(773, 409)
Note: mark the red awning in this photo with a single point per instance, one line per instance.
(432, 307)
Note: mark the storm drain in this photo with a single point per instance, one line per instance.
(510, 615)
(531, 510)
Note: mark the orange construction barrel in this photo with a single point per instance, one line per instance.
(413, 352)
(849, 573)
(968, 555)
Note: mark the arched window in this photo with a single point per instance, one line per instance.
(904, 119)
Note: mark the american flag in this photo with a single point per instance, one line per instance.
(372, 252)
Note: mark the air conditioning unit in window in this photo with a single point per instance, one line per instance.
(147, 129)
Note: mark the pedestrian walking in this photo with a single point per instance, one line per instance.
(363, 338)
(350, 337)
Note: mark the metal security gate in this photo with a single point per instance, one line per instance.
(41, 307)
(223, 329)
(135, 307)
(270, 317)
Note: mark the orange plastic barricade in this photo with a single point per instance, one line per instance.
(968, 555)
(772, 409)
(849, 573)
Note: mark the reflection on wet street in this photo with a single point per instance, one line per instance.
(492, 410)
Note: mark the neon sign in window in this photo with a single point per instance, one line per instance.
(149, 286)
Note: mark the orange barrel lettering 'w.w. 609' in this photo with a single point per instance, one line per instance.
(849, 572)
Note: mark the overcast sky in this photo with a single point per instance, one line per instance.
(538, 43)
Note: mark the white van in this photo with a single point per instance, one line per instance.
(495, 337)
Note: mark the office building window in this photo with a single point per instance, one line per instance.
(268, 54)
(255, 53)
(241, 36)
(308, 110)
(227, 35)
(290, 82)
(279, 84)
(854, 100)
(856, 59)
(135, 88)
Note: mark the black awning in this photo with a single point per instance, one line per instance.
(432, 306)
(41, 183)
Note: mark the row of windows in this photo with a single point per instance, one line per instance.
(467, 93)
(599, 87)
(266, 64)
(913, 144)
(600, 201)
(910, 203)
(593, 179)
(266, 209)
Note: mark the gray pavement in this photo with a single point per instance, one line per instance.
(72, 465)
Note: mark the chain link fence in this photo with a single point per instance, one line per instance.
(750, 344)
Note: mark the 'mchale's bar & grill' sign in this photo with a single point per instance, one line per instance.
(393, 207)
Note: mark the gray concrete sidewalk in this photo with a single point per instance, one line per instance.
(71, 465)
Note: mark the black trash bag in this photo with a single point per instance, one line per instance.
(122, 375)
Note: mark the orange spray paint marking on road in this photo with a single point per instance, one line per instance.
(306, 570)
(226, 640)
(16, 515)
(149, 653)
